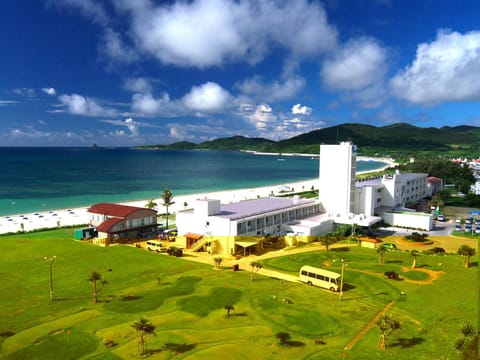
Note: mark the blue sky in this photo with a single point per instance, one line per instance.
(131, 72)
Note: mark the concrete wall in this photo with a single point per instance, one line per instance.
(410, 220)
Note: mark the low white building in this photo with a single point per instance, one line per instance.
(225, 227)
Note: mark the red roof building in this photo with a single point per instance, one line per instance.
(115, 222)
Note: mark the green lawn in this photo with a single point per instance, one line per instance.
(187, 304)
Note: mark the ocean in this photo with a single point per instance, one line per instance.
(49, 178)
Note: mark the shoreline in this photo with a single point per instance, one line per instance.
(78, 215)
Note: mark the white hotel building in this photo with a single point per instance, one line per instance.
(236, 227)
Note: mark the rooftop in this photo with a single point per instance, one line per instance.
(247, 208)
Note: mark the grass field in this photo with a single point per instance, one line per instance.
(185, 301)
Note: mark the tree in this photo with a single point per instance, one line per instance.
(185, 204)
(218, 261)
(151, 204)
(93, 278)
(283, 337)
(327, 240)
(255, 267)
(467, 252)
(414, 254)
(143, 328)
(167, 198)
(229, 308)
(381, 252)
(386, 325)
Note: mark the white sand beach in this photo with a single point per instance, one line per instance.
(78, 216)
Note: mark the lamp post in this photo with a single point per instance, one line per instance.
(50, 261)
(341, 278)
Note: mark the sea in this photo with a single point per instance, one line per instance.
(35, 179)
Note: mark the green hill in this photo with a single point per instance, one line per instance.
(397, 140)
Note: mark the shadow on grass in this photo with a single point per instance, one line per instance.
(423, 266)
(178, 348)
(131, 297)
(348, 287)
(340, 249)
(474, 264)
(407, 343)
(293, 343)
(394, 261)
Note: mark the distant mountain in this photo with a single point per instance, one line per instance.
(396, 138)
(236, 143)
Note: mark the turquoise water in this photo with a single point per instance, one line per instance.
(39, 179)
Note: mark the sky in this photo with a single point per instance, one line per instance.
(136, 72)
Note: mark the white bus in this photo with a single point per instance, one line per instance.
(320, 277)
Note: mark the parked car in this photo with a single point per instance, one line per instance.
(441, 217)
(390, 246)
(458, 227)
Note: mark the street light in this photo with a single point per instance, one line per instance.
(341, 278)
(50, 261)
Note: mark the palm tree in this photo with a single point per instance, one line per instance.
(151, 204)
(414, 254)
(386, 325)
(143, 328)
(167, 198)
(185, 204)
(229, 308)
(283, 337)
(218, 261)
(93, 278)
(381, 252)
(255, 267)
(467, 252)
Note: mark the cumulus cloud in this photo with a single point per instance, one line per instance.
(260, 116)
(204, 33)
(132, 125)
(298, 109)
(49, 91)
(355, 66)
(80, 105)
(443, 70)
(146, 104)
(209, 97)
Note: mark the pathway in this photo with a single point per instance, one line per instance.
(368, 326)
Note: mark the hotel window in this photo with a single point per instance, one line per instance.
(241, 228)
(276, 219)
(260, 223)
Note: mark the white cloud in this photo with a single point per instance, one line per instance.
(26, 92)
(204, 33)
(146, 104)
(115, 48)
(298, 109)
(133, 126)
(7, 102)
(274, 91)
(260, 117)
(356, 66)
(208, 97)
(444, 70)
(139, 85)
(89, 8)
(49, 91)
(80, 105)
